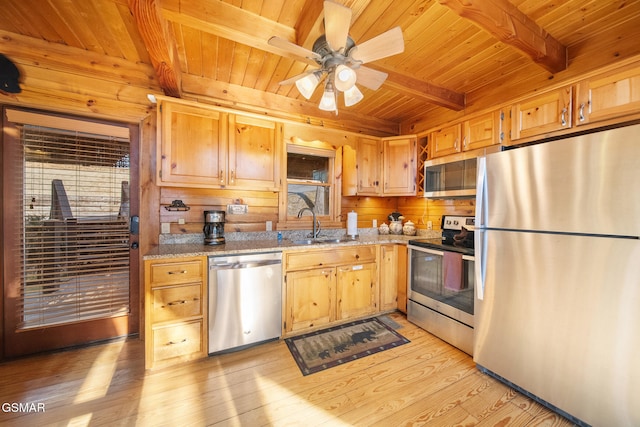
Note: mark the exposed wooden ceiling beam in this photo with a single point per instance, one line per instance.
(423, 91)
(236, 96)
(160, 43)
(508, 24)
(234, 23)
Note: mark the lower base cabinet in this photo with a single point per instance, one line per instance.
(393, 277)
(175, 310)
(323, 286)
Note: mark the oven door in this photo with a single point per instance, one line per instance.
(426, 284)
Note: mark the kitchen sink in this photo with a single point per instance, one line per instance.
(319, 241)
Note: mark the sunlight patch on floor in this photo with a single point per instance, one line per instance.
(287, 409)
(80, 421)
(98, 379)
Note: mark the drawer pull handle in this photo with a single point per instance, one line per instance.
(178, 272)
(177, 302)
(177, 342)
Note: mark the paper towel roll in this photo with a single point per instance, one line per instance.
(352, 224)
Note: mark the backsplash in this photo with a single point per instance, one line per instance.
(195, 238)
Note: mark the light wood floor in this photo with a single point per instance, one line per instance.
(425, 382)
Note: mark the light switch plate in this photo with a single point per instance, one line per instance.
(237, 209)
(165, 227)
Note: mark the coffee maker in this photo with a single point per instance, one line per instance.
(213, 227)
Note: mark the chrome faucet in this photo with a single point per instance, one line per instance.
(316, 230)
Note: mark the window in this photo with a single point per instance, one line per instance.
(311, 182)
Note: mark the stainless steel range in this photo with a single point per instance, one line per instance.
(441, 283)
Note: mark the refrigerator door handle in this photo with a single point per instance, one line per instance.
(481, 193)
(481, 261)
(480, 235)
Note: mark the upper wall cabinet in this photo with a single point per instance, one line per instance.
(253, 153)
(380, 167)
(609, 96)
(202, 147)
(545, 113)
(475, 132)
(399, 166)
(193, 145)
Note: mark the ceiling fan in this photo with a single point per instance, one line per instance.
(340, 60)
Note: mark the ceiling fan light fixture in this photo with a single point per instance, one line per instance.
(328, 101)
(345, 78)
(307, 85)
(352, 96)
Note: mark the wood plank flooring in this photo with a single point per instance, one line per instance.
(425, 382)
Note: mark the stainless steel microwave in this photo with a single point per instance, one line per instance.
(451, 179)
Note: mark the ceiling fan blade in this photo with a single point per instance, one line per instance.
(337, 20)
(300, 52)
(370, 78)
(386, 44)
(292, 80)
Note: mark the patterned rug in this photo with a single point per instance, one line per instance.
(316, 351)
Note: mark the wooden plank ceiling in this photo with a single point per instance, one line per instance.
(456, 51)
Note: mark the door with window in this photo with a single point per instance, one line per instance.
(69, 193)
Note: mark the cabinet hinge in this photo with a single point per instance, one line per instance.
(160, 173)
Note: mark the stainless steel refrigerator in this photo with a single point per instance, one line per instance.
(558, 273)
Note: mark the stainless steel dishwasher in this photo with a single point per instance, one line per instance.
(245, 300)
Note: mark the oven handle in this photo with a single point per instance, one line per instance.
(428, 250)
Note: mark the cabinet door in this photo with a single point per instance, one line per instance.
(446, 141)
(253, 153)
(610, 96)
(368, 159)
(542, 114)
(310, 298)
(388, 277)
(357, 290)
(193, 146)
(399, 166)
(482, 131)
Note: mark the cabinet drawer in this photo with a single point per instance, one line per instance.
(166, 273)
(178, 340)
(174, 303)
(329, 257)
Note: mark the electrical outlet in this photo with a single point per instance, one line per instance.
(269, 226)
(165, 228)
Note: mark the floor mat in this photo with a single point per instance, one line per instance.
(316, 351)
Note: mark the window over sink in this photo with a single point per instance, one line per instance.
(311, 183)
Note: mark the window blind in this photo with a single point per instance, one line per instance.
(75, 228)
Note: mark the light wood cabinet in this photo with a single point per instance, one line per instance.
(253, 153)
(613, 95)
(399, 166)
(473, 133)
(380, 167)
(393, 277)
(193, 145)
(542, 114)
(311, 298)
(202, 147)
(326, 285)
(175, 310)
(483, 131)
(368, 164)
(357, 290)
(446, 141)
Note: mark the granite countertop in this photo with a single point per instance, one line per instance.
(168, 250)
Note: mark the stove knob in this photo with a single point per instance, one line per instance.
(455, 222)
